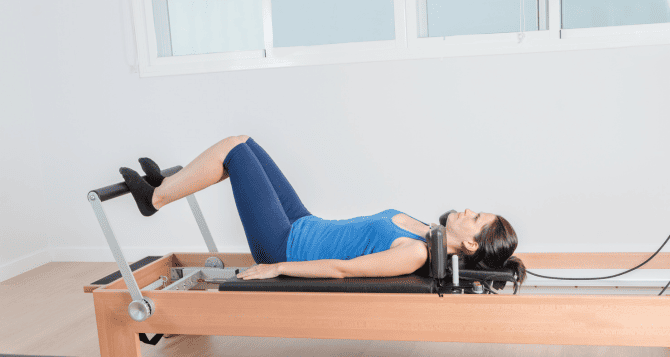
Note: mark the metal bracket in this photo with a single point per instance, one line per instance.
(207, 273)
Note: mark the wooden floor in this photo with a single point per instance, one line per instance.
(46, 312)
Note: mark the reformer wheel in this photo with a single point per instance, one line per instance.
(213, 262)
(141, 310)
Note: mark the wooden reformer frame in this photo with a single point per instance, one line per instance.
(470, 318)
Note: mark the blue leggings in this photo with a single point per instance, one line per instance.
(265, 200)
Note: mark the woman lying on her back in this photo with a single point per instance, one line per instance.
(286, 239)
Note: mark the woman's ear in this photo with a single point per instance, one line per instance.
(470, 246)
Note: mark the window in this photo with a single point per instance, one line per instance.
(458, 17)
(325, 22)
(199, 36)
(602, 13)
(193, 27)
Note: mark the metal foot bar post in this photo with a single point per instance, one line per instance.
(200, 219)
(141, 308)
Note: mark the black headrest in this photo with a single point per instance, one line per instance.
(439, 264)
(437, 252)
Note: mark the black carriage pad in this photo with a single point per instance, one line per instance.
(116, 275)
(410, 283)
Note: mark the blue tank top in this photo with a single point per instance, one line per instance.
(313, 238)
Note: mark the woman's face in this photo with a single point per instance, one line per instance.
(464, 226)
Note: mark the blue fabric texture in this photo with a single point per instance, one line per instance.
(266, 202)
(313, 238)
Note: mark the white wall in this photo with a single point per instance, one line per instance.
(570, 147)
(28, 79)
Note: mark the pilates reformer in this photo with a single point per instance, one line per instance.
(199, 293)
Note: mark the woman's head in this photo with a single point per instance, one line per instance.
(461, 229)
(485, 241)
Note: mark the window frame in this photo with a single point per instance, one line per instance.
(407, 45)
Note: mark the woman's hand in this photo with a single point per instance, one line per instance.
(260, 271)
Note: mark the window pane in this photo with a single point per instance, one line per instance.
(459, 17)
(323, 22)
(212, 26)
(602, 13)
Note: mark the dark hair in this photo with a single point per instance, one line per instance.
(497, 242)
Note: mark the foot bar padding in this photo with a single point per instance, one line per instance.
(120, 189)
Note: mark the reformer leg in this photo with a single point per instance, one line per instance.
(114, 337)
(204, 171)
(123, 343)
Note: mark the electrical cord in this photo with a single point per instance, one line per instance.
(607, 277)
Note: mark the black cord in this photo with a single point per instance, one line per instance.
(607, 277)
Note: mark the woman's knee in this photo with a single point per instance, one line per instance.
(244, 138)
(228, 144)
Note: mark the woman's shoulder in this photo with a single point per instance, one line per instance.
(307, 219)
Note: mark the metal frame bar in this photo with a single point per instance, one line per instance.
(200, 219)
(124, 268)
(156, 284)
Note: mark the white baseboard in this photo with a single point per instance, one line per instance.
(24, 264)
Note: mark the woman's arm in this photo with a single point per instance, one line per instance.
(404, 259)
(401, 260)
(324, 268)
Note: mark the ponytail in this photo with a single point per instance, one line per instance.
(515, 264)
